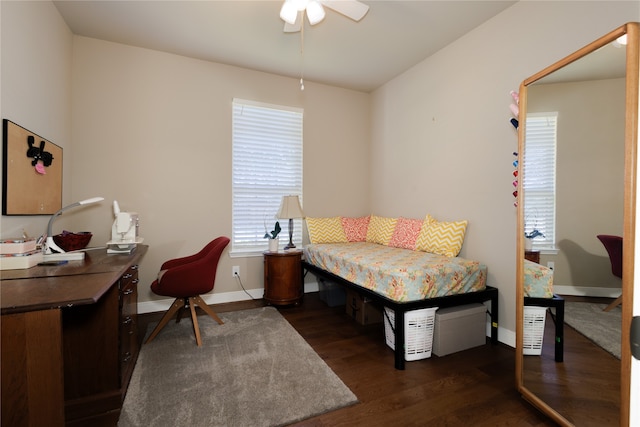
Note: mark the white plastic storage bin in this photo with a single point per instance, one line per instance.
(533, 330)
(418, 332)
(459, 328)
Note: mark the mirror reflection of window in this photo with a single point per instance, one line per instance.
(539, 182)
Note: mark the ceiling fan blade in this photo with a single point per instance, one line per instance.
(352, 9)
(296, 26)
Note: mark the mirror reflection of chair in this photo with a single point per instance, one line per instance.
(613, 245)
(186, 279)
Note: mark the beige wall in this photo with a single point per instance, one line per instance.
(590, 177)
(36, 87)
(153, 131)
(442, 142)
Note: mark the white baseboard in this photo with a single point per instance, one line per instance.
(311, 287)
(587, 291)
(215, 298)
(505, 336)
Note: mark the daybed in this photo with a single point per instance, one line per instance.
(400, 263)
(538, 292)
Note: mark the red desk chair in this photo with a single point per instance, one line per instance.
(186, 279)
(613, 245)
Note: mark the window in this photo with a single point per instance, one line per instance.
(539, 182)
(267, 164)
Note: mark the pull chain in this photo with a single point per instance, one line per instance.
(302, 55)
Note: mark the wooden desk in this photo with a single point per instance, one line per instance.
(69, 340)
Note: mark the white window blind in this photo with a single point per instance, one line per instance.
(267, 164)
(539, 183)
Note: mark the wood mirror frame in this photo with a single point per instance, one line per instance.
(629, 212)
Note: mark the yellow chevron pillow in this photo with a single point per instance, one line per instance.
(380, 229)
(326, 230)
(444, 238)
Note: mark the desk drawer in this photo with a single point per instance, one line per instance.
(128, 342)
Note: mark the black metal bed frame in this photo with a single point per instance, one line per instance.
(489, 294)
(558, 303)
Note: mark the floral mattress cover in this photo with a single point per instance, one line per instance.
(538, 280)
(399, 274)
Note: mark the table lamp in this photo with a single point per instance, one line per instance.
(50, 245)
(290, 208)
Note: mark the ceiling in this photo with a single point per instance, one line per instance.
(391, 38)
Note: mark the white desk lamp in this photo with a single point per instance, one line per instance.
(50, 245)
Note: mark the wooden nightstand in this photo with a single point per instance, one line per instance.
(533, 256)
(283, 277)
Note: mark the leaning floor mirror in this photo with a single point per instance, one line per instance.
(588, 105)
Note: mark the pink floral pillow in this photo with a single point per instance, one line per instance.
(406, 233)
(355, 228)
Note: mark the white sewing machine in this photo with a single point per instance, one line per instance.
(124, 232)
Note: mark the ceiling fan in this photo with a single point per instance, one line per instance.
(293, 11)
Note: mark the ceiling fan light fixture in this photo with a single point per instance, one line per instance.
(289, 12)
(315, 12)
(300, 5)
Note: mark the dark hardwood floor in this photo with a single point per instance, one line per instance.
(585, 388)
(475, 387)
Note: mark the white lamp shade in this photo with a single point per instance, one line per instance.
(91, 200)
(290, 208)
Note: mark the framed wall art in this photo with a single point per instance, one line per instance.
(31, 172)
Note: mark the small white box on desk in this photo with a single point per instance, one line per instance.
(17, 246)
(459, 328)
(20, 261)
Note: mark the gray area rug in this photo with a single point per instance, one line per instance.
(255, 370)
(603, 328)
